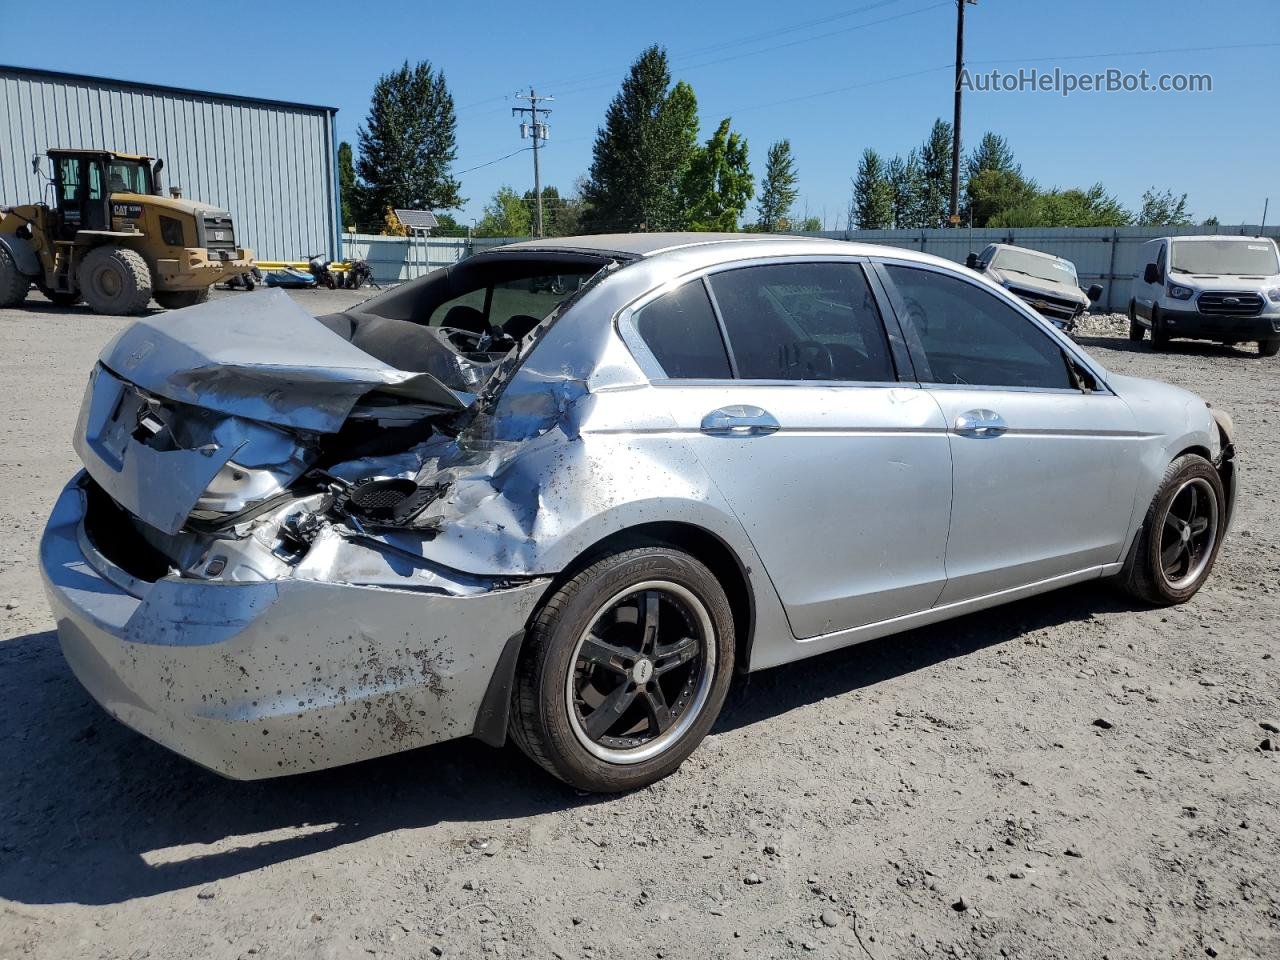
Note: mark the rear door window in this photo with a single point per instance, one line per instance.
(969, 336)
(681, 332)
(803, 321)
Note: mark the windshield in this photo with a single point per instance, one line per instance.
(128, 176)
(1043, 268)
(1225, 257)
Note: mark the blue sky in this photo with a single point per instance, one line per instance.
(767, 65)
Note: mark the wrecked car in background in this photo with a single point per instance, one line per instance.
(1048, 283)
(565, 489)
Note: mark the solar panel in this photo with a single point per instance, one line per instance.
(417, 219)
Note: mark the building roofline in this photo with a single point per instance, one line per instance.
(40, 72)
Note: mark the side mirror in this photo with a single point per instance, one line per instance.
(1152, 274)
(971, 261)
(37, 164)
(1094, 293)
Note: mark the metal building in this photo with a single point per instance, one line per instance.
(270, 163)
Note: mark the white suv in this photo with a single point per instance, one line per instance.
(1208, 288)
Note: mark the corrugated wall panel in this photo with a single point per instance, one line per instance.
(268, 163)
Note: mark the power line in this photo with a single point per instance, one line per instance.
(489, 163)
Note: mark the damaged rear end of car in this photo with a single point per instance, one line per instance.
(242, 571)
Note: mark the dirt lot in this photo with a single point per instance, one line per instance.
(943, 792)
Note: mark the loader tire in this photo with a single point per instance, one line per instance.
(177, 299)
(13, 283)
(115, 280)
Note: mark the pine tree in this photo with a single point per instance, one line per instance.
(873, 195)
(778, 189)
(347, 186)
(718, 183)
(935, 170)
(906, 182)
(642, 152)
(408, 144)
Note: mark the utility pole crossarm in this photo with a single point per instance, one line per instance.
(538, 131)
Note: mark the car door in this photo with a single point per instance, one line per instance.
(838, 470)
(1147, 295)
(1045, 469)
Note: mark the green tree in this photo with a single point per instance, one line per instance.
(408, 144)
(561, 216)
(506, 215)
(935, 172)
(347, 187)
(873, 195)
(992, 191)
(643, 151)
(1091, 207)
(810, 225)
(1163, 210)
(907, 184)
(718, 182)
(991, 153)
(778, 189)
(448, 226)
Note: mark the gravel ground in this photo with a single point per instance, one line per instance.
(946, 792)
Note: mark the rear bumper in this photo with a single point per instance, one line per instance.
(1198, 326)
(198, 268)
(260, 679)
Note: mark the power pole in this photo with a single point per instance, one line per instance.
(539, 131)
(955, 124)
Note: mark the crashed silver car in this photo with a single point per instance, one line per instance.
(566, 489)
(1048, 283)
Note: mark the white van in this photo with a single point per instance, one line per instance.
(1208, 288)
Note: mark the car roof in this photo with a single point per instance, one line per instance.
(1219, 236)
(712, 247)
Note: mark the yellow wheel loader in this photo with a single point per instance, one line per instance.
(110, 238)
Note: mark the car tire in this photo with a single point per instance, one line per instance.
(661, 638)
(1268, 348)
(177, 299)
(115, 280)
(14, 285)
(1167, 565)
(1159, 336)
(1136, 331)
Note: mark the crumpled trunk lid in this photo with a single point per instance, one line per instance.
(249, 381)
(264, 358)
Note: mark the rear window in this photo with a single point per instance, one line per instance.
(681, 331)
(803, 321)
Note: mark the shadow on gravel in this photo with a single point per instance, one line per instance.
(1190, 348)
(93, 813)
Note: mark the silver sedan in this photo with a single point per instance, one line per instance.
(565, 490)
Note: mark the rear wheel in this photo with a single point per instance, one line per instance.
(625, 669)
(13, 283)
(1268, 348)
(1136, 333)
(1181, 534)
(177, 299)
(115, 280)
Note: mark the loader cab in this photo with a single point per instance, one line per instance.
(84, 181)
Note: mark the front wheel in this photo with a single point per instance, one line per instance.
(14, 285)
(1180, 537)
(1136, 332)
(1268, 348)
(115, 280)
(1159, 336)
(625, 670)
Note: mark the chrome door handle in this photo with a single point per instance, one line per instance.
(980, 423)
(739, 420)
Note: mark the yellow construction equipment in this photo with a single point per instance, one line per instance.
(112, 239)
